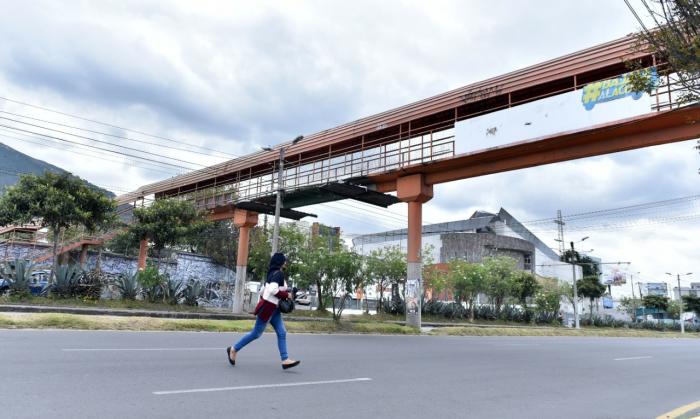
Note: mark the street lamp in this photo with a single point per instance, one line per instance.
(280, 189)
(573, 270)
(634, 304)
(680, 298)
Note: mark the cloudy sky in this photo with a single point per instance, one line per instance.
(222, 79)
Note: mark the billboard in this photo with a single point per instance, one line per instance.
(615, 275)
(596, 103)
(657, 288)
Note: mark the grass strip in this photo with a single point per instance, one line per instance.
(533, 331)
(85, 322)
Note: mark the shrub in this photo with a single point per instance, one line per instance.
(192, 292)
(19, 274)
(153, 283)
(128, 285)
(90, 285)
(173, 291)
(66, 282)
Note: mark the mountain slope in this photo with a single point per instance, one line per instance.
(13, 163)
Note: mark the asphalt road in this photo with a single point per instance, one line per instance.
(76, 374)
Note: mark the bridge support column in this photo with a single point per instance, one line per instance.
(413, 190)
(143, 249)
(83, 255)
(244, 220)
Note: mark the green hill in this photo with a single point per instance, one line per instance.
(13, 164)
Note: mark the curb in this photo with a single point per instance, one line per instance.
(17, 308)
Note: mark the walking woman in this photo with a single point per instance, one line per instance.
(267, 310)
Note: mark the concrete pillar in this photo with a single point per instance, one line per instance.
(244, 220)
(83, 255)
(143, 250)
(413, 190)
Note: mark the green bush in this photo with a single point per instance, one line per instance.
(90, 285)
(153, 283)
(128, 285)
(66, 281)
(173, 291)
(19, 273)
(192, 292)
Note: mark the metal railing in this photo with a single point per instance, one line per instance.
(339, 165)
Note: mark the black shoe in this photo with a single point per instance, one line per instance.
(290, 365)
(228, 353)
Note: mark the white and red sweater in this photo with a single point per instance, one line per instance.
(271, 295)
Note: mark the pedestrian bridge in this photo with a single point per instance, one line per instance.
(575, 106)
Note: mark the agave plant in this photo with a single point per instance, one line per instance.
(128, 285)
(173, 291)
(192, 292)
(66, 283)
(19, 273)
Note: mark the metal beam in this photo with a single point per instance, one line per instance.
(644, 131)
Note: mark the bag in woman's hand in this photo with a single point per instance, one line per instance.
(286, 305)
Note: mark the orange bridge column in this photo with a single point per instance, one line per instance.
(83, 255)
(143, 250)
(413, 190)
(244, 220)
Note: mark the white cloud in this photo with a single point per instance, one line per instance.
(236, 75)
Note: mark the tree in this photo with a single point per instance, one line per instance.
(691, 303)
(312, 269)
(57, 201)
(498, 279)
(259, 253)
(673, 310)
(167, 222)
(675, 40)
(524, 285)
(589, 266)
(217, 240)
(342, 276)
(467, 280)
(629, 306)
(658, 302)
(590, 287)
(387, 266)
(125, 243)
(548, 296)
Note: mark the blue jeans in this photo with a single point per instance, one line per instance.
(259, 328)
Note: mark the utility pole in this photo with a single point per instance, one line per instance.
(680, 298)
(644, 310)
(560, 230)
(680, 302)
(280, 191)
(573, 270)
(634, 302)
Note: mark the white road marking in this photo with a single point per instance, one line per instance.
(631, 358)
(137, 349)
(305, 383)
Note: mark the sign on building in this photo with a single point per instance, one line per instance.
(657, 288)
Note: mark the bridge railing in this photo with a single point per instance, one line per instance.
(340, 165)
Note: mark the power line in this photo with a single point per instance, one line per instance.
(96, 154)
(97, 141)
(95, 147)
(106, 134)
(112, 126)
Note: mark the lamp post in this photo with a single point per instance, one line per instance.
(680, 298)
(634, 304)
(280, 190)
(573, 270)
